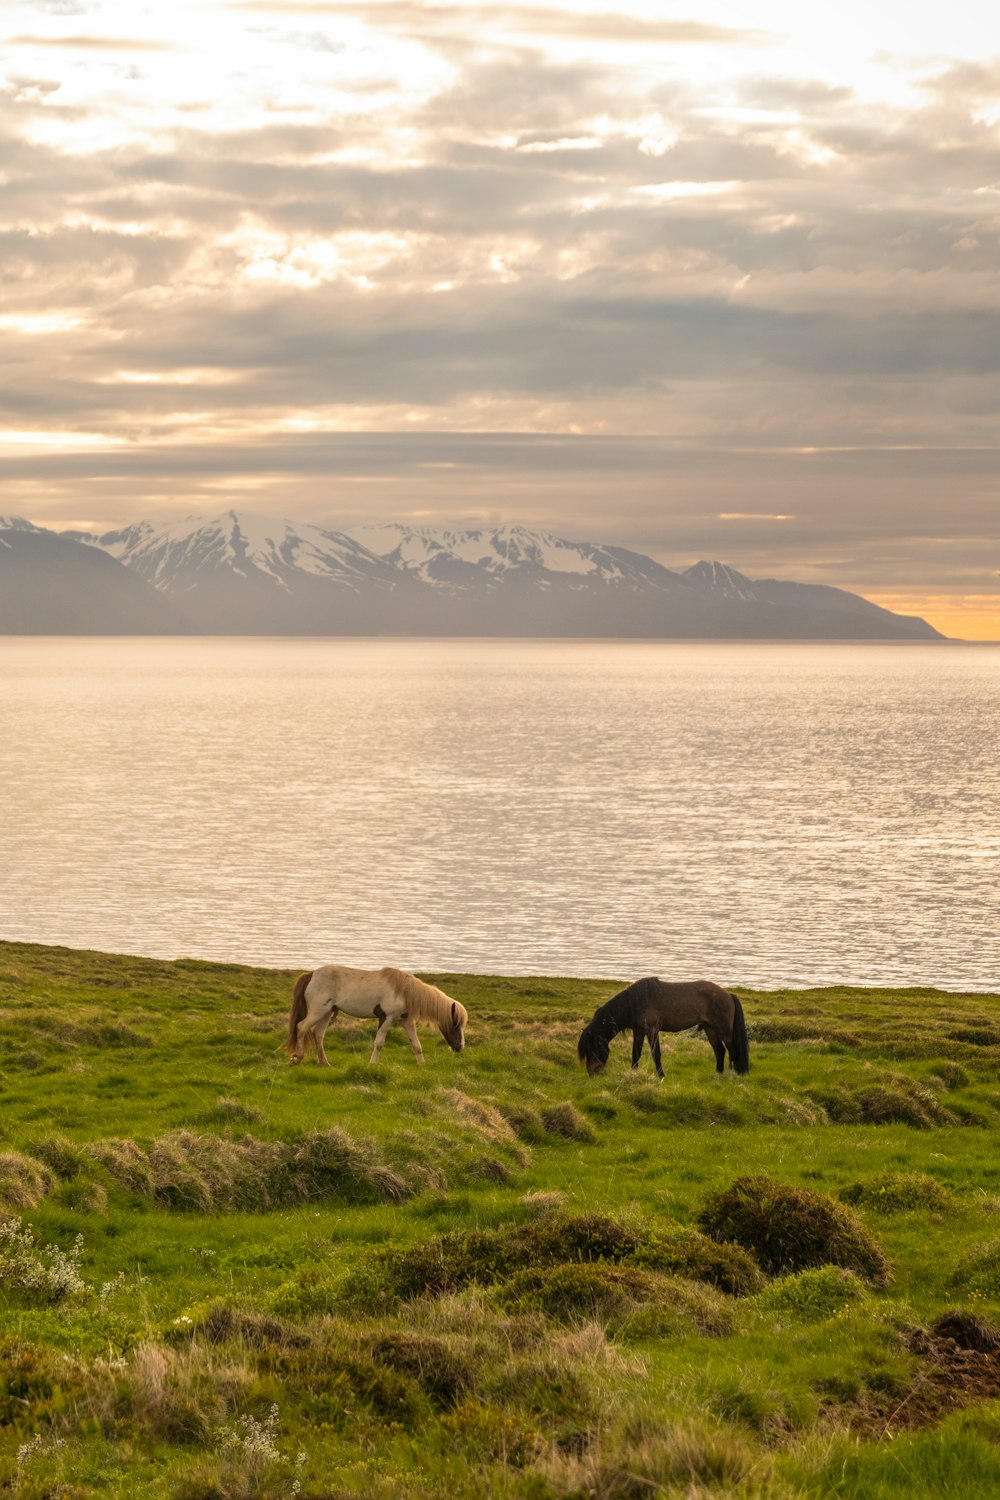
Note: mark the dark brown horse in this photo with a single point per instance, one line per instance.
(653, 1005)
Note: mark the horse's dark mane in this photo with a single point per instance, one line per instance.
(614, 1015)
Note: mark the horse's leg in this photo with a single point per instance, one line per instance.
(638, 1037)
(410, 1027)
(654, 1047)
(718, 1047)
(303, 1031)
(319, 1031)
(384, 1023)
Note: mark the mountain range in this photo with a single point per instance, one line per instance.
(237, 574)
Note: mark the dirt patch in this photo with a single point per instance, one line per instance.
(949, 1377)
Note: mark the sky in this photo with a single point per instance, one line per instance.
(706, 280)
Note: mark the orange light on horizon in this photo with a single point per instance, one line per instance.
(963, 617)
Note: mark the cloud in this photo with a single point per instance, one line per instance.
(594, 255)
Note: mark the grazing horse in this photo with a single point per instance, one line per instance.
(387, 994)
(652, 1005)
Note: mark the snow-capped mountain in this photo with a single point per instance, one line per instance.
(487, 557)
(240, 574)
(178, 555)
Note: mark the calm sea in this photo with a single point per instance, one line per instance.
(758, 814)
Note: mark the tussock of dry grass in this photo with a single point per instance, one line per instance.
(566, 1120)
(24, 1182)
(212, 1174)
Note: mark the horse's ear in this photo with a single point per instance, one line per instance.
(454, 1014)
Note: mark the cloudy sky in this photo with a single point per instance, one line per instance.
(706, 280)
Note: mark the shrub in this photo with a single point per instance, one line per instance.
(685, 1252)
(42, 1273)
(220, 1323)
(250, 1450)
(491, 1433)
(899, 1192)
(790, 1229)
(579, 1291)
(308, 1293)
(438, 1368)
(813, 1295)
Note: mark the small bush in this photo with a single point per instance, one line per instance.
(685, 1252)
(579, 1291)
(442, 1372)
(307, 1294)
(899, 1192)
(222, 1323)
(813, 1295)
(488, 1432)
(791, 1229)
(41, 1273)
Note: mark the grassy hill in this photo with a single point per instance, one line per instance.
(490, 1275)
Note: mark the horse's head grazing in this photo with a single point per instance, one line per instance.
(453, 1027)
(593, 1049)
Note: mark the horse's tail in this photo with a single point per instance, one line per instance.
(739, 1046)
(298, 1010)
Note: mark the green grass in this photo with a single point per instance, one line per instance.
(490, 1275)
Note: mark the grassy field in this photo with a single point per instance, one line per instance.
(490, 1275)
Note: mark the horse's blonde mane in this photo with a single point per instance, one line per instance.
(424, 1001)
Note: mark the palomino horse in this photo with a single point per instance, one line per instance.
(387, 994)
(652, 1005)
